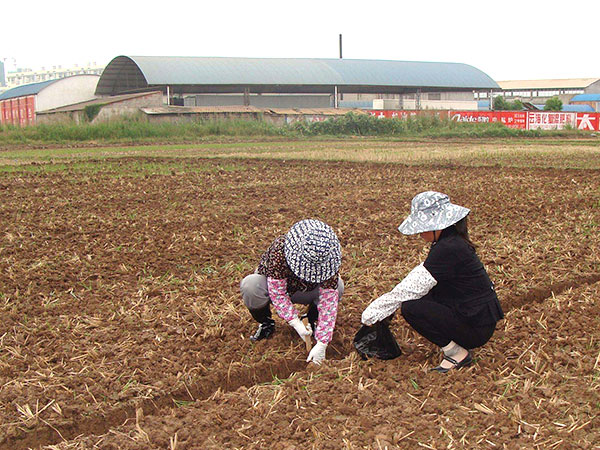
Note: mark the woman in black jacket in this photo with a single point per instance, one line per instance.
(449, 298)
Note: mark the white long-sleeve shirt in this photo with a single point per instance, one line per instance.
(414, 286)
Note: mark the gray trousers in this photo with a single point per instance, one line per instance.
(256, 295)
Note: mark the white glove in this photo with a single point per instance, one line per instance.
(317, 354)
(300, 328)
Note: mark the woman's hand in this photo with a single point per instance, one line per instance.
(302, 330)
(317, 354)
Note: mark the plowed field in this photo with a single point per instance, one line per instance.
(123, 328)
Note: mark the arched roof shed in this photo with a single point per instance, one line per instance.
(286, 75)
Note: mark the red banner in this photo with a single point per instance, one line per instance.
(512, 119)
(588, 121)
(524, 120)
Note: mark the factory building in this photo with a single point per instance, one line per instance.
(20, 105)
(297, 82)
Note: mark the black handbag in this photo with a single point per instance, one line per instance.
(376, 341)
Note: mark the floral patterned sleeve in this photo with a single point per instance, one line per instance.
(281, 299)
(328, 307)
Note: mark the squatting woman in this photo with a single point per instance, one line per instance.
(300, 267)
(449, 298)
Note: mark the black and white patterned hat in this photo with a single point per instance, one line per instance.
(312, 250)
(431, 211)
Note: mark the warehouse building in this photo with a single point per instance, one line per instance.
(20, 105)
(538, 91)
(296, 82)
(590, 100)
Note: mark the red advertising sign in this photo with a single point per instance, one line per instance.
(588, 121)
(512, 119)
(525, 120)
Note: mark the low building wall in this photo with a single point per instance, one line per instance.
(109, 108)
(174, 114)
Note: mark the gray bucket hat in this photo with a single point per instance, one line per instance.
(312, 250)
(431, 211)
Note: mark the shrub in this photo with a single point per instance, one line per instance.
(91, 111)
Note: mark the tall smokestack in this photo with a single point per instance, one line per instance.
(340, 46)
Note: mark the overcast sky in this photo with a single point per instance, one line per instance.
(508, 39)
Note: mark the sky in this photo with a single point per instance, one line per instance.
(508, 39)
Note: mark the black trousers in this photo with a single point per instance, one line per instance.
(439, 324)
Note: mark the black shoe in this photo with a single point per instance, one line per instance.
(264, 331)
(466, 361)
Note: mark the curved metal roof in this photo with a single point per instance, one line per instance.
(220, 74)
(26, 89)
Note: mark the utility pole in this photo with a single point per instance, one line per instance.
(335, 92)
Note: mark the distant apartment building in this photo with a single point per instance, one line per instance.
(22, 76)
(2, 75)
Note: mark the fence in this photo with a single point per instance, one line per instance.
(525, 120)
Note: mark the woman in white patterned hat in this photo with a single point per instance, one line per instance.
(449, 298)
(299, 267)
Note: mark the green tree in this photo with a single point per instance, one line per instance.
(518, 105)
(553, 104)
(500, 104)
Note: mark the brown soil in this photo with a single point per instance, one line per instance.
(119, 292)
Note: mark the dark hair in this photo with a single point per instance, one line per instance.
(463, 231)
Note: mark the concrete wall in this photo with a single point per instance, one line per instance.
(128, 107)
(464, 105)
(108, 111)
(261, 101)
(411, 104)
(61, 117)
(428, 100)
(276, 118)
(67, 91)
(195, 117)
(593, 88)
